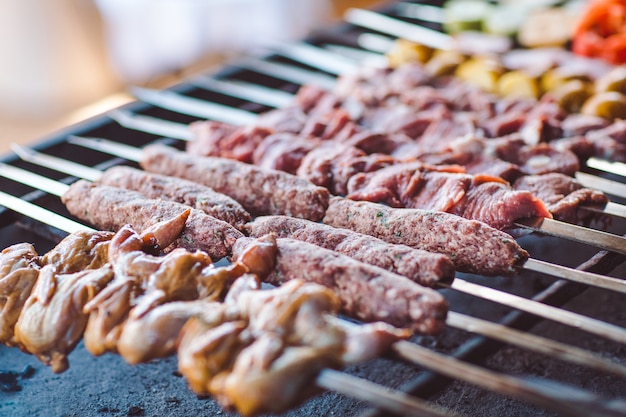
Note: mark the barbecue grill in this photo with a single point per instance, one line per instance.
(526, 382)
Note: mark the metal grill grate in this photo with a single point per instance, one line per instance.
(97, 386)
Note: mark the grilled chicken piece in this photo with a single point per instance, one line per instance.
(153, 335)
(135, 272)
(259, 351)
(52, 320)
(79, 251)
(19, 270)
(20, 264)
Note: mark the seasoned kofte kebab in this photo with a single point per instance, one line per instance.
(123, 295)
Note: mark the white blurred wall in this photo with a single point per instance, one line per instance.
(57, 56)
(53, 58)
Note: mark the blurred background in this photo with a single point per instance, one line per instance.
(67, 60)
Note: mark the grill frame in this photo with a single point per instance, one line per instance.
(428, 385)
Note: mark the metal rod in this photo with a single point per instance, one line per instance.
(316, 57)
(534, 343)
(569, 318)
(597, 238)
(152, 125)
(288, 73)
(40, 214)
(386, 24)
(52, 162)
(563, 399)
(193, 106)
(35, 181)
(247, 91)
(393, 401)
(576, 275)
(617, 168)
(615, 188)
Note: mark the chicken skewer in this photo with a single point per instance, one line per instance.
(119, 249)
(509, 386)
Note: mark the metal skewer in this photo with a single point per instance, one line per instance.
(287, 72)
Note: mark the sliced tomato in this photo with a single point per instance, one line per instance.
(614, 50)
(601, 31)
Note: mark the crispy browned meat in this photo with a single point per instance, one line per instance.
(472, 245)
(142, 282)
(425, 268)
(192, 194)
(19, 269)
(367, 292)
(260, 351)
(258, 190)
(52, 320)
(110, 208)
(141, 312)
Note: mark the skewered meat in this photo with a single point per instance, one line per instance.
(154, 334)
(190, 193)
(282, 152)
(110, 208)
(332, 166)
(562, 194)
(258, 191)
(142, 281)
(472, 245)
(79, 251)
(20, 266)
(140, 313)
(425, 268)
(259, 352)
(479, 197)
(52, 321)
(228, 141)
(19, 269)
(367, 292)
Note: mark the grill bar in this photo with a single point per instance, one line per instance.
(287, 72)
(477, 349)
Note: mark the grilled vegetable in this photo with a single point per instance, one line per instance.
(517, 84)
(610, 105)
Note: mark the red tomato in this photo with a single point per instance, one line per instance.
(601, 31)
